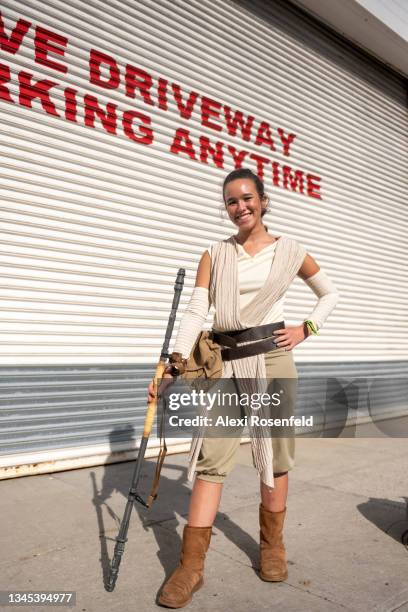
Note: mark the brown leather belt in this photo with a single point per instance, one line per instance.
(230, 339)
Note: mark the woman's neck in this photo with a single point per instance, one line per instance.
(254, 235)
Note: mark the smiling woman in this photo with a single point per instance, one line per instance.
(245, 277)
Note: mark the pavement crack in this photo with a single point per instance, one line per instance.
(398, 607)
(324, 598)
(231, 558)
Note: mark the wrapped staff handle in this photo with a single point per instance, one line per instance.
(152, 406)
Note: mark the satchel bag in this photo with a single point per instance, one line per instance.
(205, 359)
(204, 364)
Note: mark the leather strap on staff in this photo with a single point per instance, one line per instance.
(160, 460)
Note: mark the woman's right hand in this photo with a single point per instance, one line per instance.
(166, 381)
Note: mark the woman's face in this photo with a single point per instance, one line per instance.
(243, 203)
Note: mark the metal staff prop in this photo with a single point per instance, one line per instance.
(151, 412)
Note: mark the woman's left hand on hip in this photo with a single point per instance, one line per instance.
(289, 337)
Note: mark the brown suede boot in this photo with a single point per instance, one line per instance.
(188, 575)
(273, 558)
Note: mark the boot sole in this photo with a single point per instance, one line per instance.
(169, 604)
(275, 579)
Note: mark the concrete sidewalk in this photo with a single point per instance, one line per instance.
(347, 512)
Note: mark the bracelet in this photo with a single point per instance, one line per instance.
(310, 325)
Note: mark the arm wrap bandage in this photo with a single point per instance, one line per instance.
(328, 296)
(192, 321)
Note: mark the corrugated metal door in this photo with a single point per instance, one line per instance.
(114, 148)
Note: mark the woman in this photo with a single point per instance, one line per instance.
(255, 305)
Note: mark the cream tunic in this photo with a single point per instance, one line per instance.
(252, 274)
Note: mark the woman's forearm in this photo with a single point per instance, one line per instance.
(192, 321)
(327, 294)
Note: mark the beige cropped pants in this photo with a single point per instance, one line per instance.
(217, 454)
